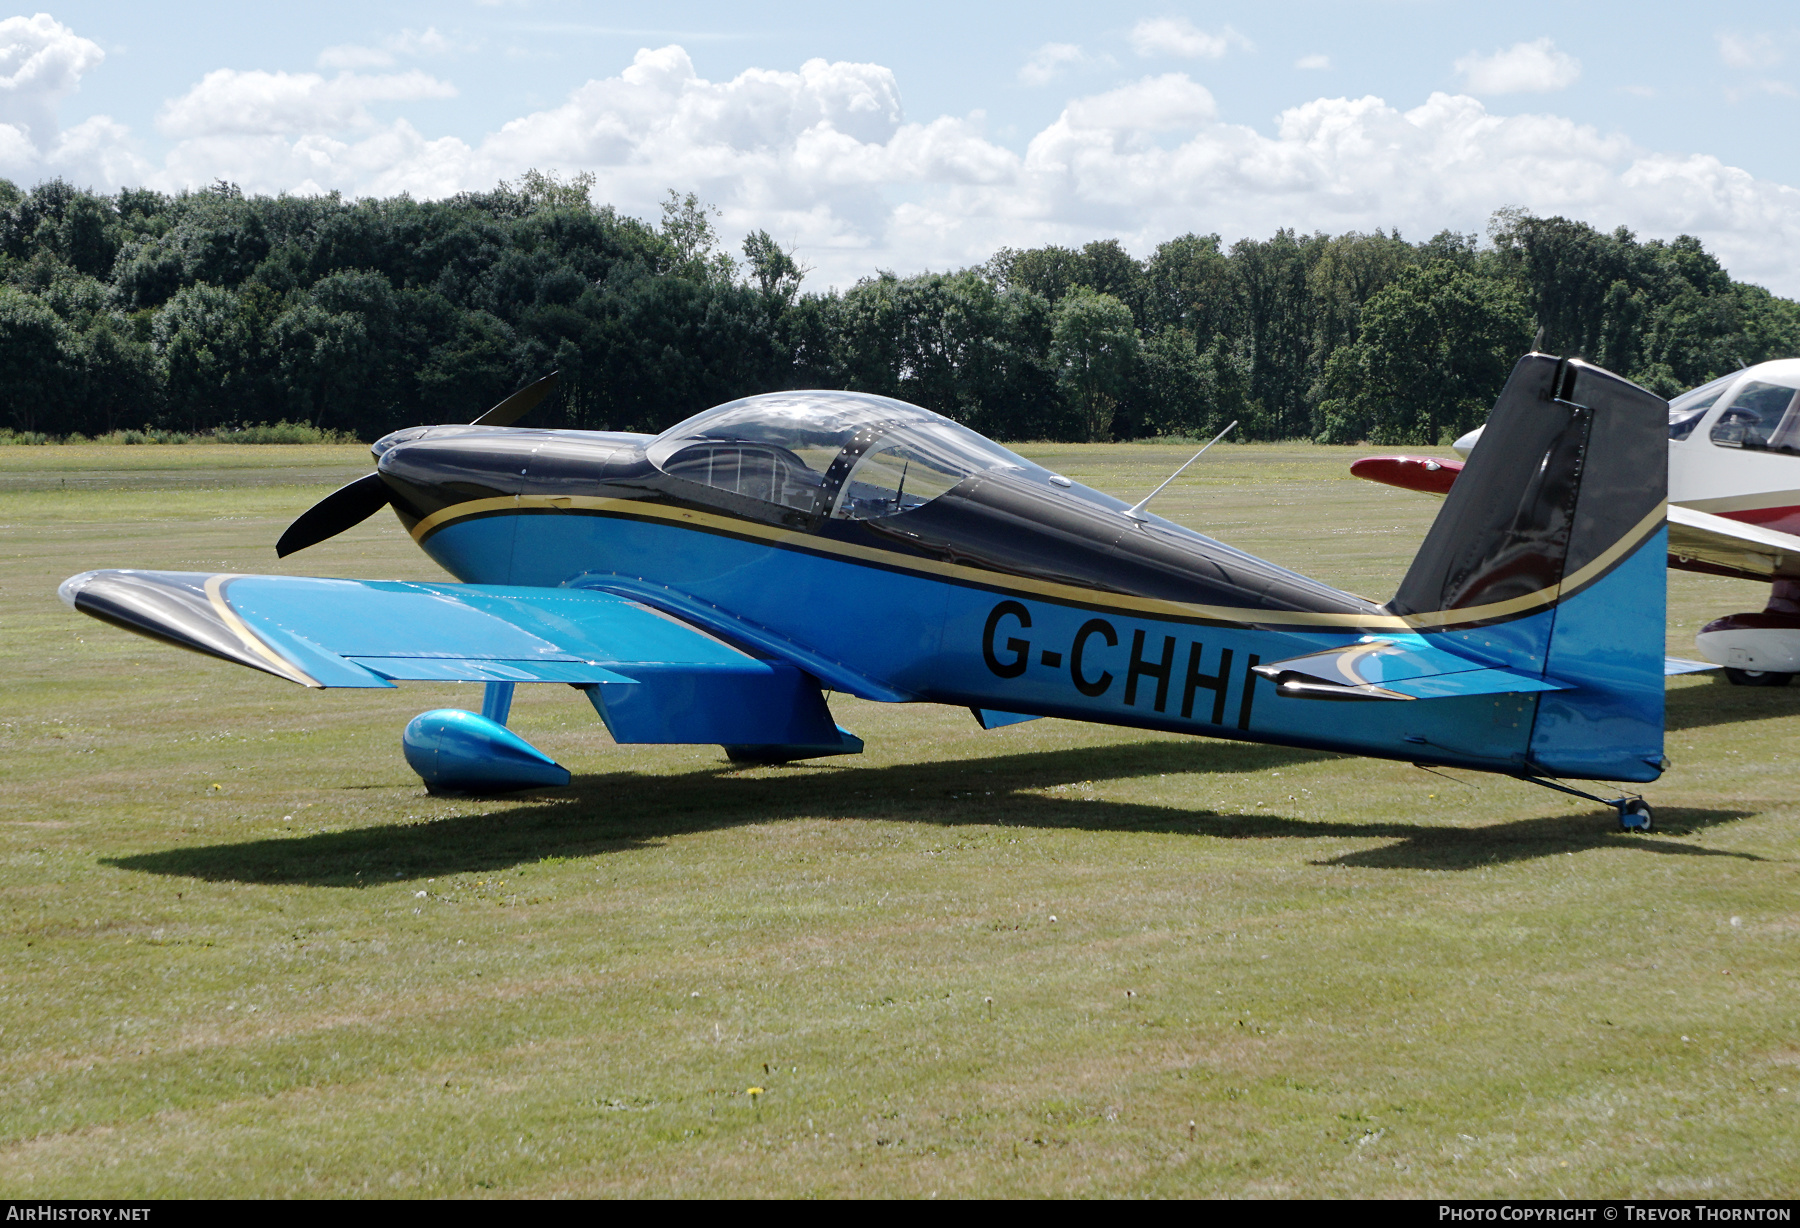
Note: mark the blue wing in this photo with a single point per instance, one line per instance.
(652, 677)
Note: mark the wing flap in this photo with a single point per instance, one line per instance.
(467, 669)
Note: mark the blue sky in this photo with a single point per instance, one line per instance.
(926, 135)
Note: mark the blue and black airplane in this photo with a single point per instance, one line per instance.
(712, 584)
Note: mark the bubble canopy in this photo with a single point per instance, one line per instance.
(842, 455)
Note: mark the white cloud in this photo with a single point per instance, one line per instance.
(1536, 67)
(1313, 61)
(1048, 62)
(1748, 51)
(1177, 36)
(1155, 104)
(227, 100)
(421, 42)
(413, 44)
(98, 151)
(41, 61)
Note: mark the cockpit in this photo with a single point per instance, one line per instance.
(882, 474)
(1761, 416)
(1755, 410)
(828, 455)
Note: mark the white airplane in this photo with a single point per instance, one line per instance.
(1734, 506)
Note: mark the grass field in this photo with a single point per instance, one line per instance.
(245, 953)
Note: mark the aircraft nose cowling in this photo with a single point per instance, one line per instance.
(434, 472)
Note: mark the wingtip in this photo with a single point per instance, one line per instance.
(71, 588)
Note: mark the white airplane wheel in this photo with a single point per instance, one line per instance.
(1756, 677)
(1636, 816)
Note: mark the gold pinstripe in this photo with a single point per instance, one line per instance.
(1346, 663)
(215, 593)
(1601, 563)
(1149, 606)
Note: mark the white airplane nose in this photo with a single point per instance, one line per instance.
(1466, 444)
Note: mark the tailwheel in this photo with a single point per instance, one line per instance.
(1635, 815)
(1756, 677)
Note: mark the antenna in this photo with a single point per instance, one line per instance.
(1142, 503)
(1537, 342)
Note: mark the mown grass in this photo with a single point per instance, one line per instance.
(245, 953)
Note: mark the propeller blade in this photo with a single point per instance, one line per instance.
(344, 508)
(518, 404)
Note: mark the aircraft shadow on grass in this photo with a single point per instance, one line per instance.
(624, 811)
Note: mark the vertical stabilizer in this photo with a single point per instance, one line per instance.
(1549, 556)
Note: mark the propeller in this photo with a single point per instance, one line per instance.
(518, 404)
(348, 506)
(344, 508)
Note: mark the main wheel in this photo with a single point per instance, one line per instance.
(1756, 677)
(1636, 815)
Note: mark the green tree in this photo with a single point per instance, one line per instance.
(1350, 269)
(693, 244)
(39, 363)
(1178, 387)
(1278, 317)
(538, 191)
(1108, 268)
(1190, 287)
(121, 386)
(1094, 345)
(1050, 272)
(468, 371)
(78, 228)
(773, 269)
(200, 343)
(211, 306)
(1436, 347)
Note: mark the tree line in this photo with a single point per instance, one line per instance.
(211, 309)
